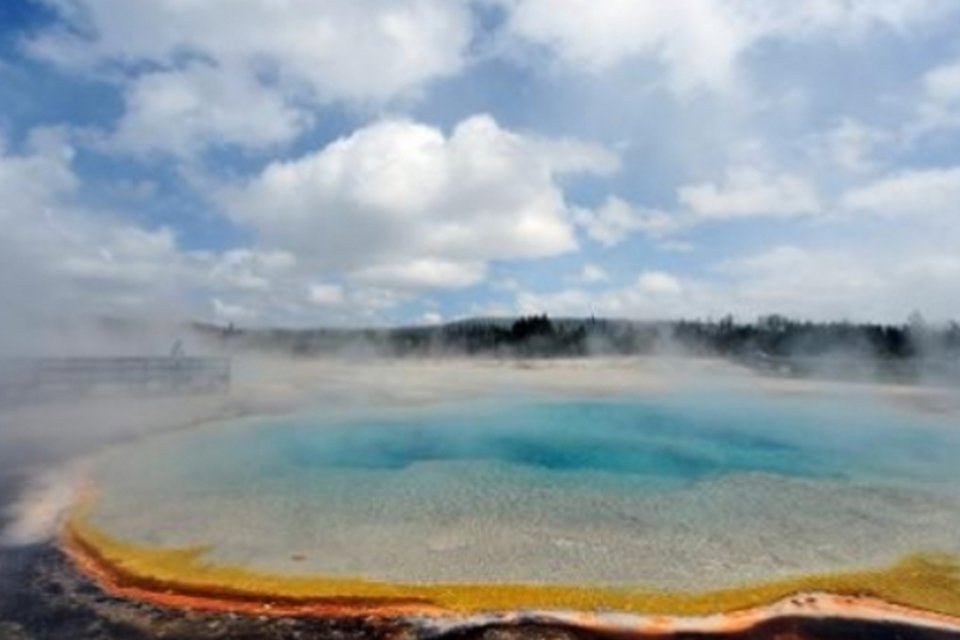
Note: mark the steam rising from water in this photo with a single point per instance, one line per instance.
(41, 508)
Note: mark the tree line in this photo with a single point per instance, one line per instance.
(769, 338)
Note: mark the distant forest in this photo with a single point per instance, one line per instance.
(774, 342)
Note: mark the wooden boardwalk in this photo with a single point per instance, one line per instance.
(42, 378)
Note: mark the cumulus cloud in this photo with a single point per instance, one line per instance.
(652, 295)
(427, 273)
(226, 312)
(61, 260)
(249, 270)
(675, 246)
(615, 220)
(58, 259)
(185, 110)
(830, 284)
(350, 231)
(846, 18)
(372, 222)
(431, 317)
(591, 274)
(895, 271)
(659, 282)
(939, 105)
(32, 181)
(801, 282)
(698, 42)
(333, 49)
(911, 192)
(326, 295)
(744, 191)
(56, 256)
(401, 204)
(850, 146)
(238, 71)
(748, 192)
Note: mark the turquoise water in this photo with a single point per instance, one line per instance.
(669, 440)
(654, 489)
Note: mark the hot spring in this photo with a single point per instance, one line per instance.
(671, 492)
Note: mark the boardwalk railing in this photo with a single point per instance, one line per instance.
(27, 378)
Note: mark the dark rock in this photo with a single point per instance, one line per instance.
(12, 631)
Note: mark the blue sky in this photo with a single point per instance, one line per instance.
(405, 161)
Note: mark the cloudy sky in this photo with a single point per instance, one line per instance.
(393, 161)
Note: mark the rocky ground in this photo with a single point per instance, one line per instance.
(42, 598)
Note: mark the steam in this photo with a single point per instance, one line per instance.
(95, 337)
(277, 371)
(40, 510)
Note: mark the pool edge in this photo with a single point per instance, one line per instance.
(920, 591)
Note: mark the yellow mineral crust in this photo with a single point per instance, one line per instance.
(923, 581)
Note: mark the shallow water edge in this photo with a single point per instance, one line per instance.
(919, 591)
(50, 600)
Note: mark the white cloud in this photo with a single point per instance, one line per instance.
(401, 204)
(60, 260)
(111, 254)
(939, 104)
(368, 223)
(850, 145)
(335, 49)
(831, 284)
(747, 192)
(844, 18)
(696, 40)
(249, 270)
(226, 312)
(185, 110)
(326, 295)
(410, 209)
(239, 71)
(911, 192)
(423, 273)
(744, 192)
(591, 274)
(654, 294)
(659, 282)
(617, 219)
(57, 258)
(675, 246)
(699, 42)
(802, 283)
(31, 182)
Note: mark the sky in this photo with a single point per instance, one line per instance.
(384, 162)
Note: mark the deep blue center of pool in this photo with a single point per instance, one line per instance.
(674, 440)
